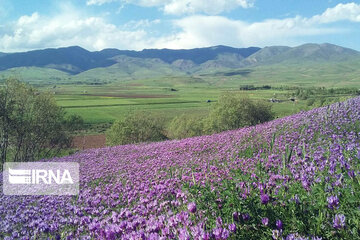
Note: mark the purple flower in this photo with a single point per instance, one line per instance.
(184, 234)
(232, 227)
(148, 201)
(339, 221)
(265, 221)
(154, 236)
(109, 233)
(219, 222)
(279, 224)
(236, 216)
(351, 173)
(206, 236)
(296, 236)
(264, 198)
(221, 233)
(297, 199)
(94, 226)
(217, 233)
(276, 234)
(225, 234)
(245, 217)
(192, 207)
(333, 202)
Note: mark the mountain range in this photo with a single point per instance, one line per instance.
(76, 59)
(113, 63)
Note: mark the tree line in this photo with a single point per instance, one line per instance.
(32, 126)
(232, 111)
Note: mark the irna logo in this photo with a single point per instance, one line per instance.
(38, 176)
(41, 178)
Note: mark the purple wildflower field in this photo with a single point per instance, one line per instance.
(291, 178)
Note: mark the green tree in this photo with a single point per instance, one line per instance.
(31, 124)
(310, 102)
(185, 126)
(235, 111)
(136, 127)
(73, 122)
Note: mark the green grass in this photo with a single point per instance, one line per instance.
(103, 95)
(329, 75)
(95, 115)
(36, 75)
(101, 105)
(157, 74)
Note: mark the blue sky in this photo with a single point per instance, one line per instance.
(138, 24)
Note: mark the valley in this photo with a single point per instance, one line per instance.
(106, 85)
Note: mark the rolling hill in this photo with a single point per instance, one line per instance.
(76, 59)
(127, 68)
(284, 169)
(71, 59)
(305, 53)
(75, 64)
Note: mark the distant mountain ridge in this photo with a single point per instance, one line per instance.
(155, 62)
(306, 52)
(76, 59)
(70, 59)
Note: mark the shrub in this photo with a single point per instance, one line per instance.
(136, 127)
(310, 102)
(31, 124)
(74, 122)
(235, 111)
(322, 101)
(185, 126)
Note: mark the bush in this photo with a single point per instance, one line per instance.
(185, 126)
(74, 122)
(235, 111)
(136, 127)
(231, 112)
(310, 102)
(31, 124)
(247, 87)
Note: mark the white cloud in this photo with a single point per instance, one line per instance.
(70, 27)
(180, 7)
(150, 3)
(98, 2)
(140, 24)
(199, 30)
(212, 7)
(65, 29)
(341, 12)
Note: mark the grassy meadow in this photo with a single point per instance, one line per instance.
(102, 104)
(101, 97)
(294, 177)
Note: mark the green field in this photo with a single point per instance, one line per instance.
(107, 103)
(102, 96)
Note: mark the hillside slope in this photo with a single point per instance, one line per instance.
(71, 59)
(253, 182)
(302, 54)
(127, 68)
(313, 64)
(76, 59)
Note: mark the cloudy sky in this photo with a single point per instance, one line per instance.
(177, 24)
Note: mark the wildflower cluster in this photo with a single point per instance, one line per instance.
(292, 178)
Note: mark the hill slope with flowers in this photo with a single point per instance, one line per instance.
(296, 177)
